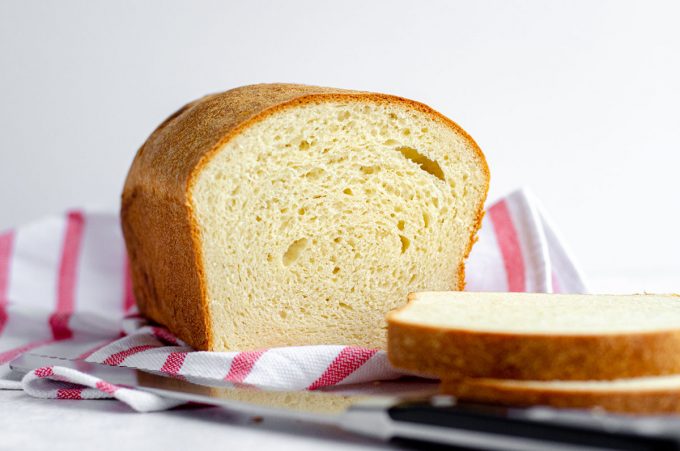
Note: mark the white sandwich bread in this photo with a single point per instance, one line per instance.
(278, 215)
(532, 336)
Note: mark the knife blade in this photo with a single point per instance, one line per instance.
(409, 412)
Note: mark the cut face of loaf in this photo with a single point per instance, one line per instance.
(277, 215)
(532, 336)
(648, 395)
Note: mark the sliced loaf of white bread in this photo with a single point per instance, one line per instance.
(531, 336)
(648, 395)
(278, 215)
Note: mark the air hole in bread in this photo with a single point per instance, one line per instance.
(348, 191)
(427, 165)
(293, 251)
(405, 243)
(314, 174)
(400, 225)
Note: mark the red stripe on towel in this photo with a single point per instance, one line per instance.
(106, 387)
(70, 393)
(508, 241)
(45, 371)
(119, 357)
(242, 365)
(6, 241)
(347, 361)
(66, 284)
(174, 362)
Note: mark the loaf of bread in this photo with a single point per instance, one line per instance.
(532, 336)
(645, 395)
(277, 215)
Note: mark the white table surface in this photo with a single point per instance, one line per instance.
(36, 424)
(33, 424)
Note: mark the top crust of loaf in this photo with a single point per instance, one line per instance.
(167, 275)
(455, 353)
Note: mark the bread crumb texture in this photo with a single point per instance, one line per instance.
(314, 221)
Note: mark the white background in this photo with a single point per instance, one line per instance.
(577, 100)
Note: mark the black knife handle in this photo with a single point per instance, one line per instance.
(488, 427)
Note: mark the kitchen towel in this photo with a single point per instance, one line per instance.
(65, 291)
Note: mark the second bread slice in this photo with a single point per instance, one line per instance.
(526, 336)
(643, 395)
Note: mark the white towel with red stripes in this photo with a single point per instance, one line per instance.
(65, 291)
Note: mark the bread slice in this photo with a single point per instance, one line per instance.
(278, 215)
(531, 336)
(648, 395)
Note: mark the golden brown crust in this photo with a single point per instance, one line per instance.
(643, 401)
(158, 220)
(453, 354)
(473, 239)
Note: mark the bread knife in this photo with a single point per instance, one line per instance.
(417, 416)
